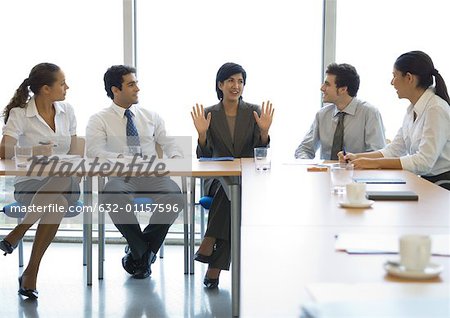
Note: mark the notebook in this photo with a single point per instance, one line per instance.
(392, 195)
(379, 181)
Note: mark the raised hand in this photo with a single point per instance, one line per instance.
(200, 122)
(265, 120)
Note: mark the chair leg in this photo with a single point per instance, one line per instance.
(202, 223)
(20, 247)
(84, 245)
(161, 250)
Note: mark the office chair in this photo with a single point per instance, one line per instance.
(14, 210)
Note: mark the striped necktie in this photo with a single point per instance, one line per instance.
(132, 133)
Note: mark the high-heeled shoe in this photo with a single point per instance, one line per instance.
(203, 258)
(6, 247)
(30, 293)
(211, 283)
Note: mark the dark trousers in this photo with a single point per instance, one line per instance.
(442, 180)
(219, 219)
(162, 190)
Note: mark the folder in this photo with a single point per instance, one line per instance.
(379, 181)
(392, 195)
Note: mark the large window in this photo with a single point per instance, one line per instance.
(83, 37)
(181, 45)
(372, 34)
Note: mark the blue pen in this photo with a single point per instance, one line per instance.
(345, 153)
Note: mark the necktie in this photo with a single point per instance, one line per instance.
(338, 139)
(132, 133)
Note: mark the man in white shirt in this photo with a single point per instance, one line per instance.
(347, 123)
(108, 133)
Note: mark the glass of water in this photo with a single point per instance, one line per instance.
(23, 156)
(341, 175)
(262, 159)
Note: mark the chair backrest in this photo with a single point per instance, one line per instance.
(159, 151)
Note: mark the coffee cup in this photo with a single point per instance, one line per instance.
(415, 251)
(356, 192)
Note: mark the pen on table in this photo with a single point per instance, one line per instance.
(47, 143)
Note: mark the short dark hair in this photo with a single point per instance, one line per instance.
(114, 77)
(224, 72)
(346, 76)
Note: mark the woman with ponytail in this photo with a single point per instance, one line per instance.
(33, 121)
(422, 145)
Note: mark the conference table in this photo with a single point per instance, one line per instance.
(290, 220)
(287, 230)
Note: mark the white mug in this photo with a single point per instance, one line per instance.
(356, 192)
(415, 251)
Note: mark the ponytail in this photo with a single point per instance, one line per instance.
(40, 75)
(20, 99)
(441, 88)
(420, 64)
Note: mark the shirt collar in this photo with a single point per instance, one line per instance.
(422, 103)
(31, 110)
(121, 111)
(350, 109)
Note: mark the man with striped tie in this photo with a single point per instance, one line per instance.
(126, 125)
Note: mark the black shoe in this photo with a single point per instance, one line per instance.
(128, 264)
(128, 251)
(207, 259)
(143, 266)
(211, 283)
(6, 247)
(30, 293)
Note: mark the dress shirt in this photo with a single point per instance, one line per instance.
(29, 128)
(363, 130)
(423, 145)
(106, 133)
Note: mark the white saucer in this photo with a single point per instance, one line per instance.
(359, 205)
(431, 271)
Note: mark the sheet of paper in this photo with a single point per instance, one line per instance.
(363, 243)
(374, 300)
(308, 162)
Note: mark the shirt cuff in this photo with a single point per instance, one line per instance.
(407, 163)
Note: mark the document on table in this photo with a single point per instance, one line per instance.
(364, 243)
(58, 158)
(308, 162)
(376, 300)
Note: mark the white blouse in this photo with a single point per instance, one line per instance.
(29, 128)
(423, 145)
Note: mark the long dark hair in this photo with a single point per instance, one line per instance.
(40, 75)
(420, 64)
